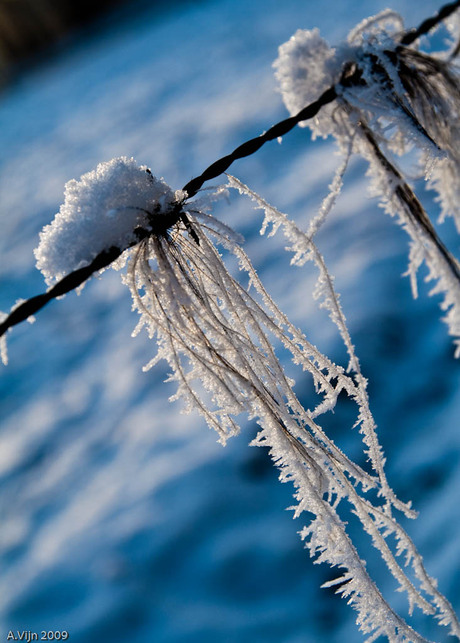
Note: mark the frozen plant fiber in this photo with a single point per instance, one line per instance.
(391, 100)
(221, 339)
(220, 342)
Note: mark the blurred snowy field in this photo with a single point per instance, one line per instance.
(120, 518)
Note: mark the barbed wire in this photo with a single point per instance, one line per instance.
(29, 307)
(413, 34)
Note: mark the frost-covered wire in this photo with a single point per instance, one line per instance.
(445, 181)
(391, 99)
(378, 97)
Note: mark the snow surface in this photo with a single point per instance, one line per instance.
(121, 518)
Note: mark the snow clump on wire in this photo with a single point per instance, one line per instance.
(391, 99)
(103, 209)
(403, 94)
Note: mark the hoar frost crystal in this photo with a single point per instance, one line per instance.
(391, 100)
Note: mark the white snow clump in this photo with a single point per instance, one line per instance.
(305, 68)
(101, 210)
(392, 99)
(405, 96)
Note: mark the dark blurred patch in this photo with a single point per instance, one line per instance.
(30, 26)
(257, 465)
(31, 29)
(430, 478)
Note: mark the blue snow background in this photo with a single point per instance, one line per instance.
(120, 518)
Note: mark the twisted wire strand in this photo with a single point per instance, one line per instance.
(71, 281)
(254, 144)
(76, 278)
(428, 24)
